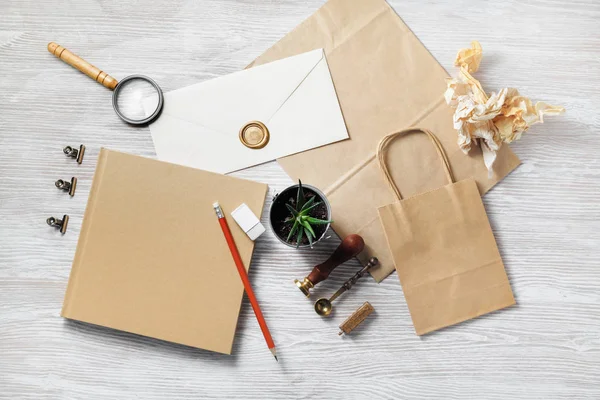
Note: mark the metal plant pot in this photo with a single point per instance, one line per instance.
(280, 199)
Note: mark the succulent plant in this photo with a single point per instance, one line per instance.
(301, 219)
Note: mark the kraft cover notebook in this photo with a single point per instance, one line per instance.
(151, 258)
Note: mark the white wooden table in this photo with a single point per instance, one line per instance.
(545, 215)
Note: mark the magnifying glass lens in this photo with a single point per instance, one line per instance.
(136, 99)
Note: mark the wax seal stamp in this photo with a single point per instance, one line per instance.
(254, 135)
(323, 306)
(350, 247)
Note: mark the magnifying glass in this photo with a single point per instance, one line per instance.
(127, 94)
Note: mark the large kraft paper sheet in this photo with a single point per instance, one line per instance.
(386, 80)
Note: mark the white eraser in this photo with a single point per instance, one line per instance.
(249, 222)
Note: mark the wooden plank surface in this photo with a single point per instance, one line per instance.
(546, 215)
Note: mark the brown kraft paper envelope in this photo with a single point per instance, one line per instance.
(151, 257)
(386, 80)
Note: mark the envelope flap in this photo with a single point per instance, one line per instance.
(227, 103)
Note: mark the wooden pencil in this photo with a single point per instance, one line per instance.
(244, 275)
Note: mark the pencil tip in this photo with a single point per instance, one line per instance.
(274, 352)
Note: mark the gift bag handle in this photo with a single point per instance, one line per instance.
(385, 142)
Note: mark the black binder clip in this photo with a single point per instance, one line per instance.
(59, 223)
(67, 186)
(74, 153)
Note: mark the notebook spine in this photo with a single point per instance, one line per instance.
(81, 244)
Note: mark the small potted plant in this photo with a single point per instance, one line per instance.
(300, 215)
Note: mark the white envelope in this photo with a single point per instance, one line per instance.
(294, 97)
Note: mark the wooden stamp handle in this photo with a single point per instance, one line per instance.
(80, 64)
(350, 247)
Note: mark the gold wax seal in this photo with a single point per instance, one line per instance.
(254, 135)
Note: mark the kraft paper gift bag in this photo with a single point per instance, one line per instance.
(386, 80)
(443, 249)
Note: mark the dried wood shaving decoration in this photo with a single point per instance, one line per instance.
(491, 120)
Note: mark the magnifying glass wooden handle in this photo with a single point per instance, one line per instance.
(80, 64)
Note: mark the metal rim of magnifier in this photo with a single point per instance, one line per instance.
(144, 121)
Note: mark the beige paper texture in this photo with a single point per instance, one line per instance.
(151, 258)
(386, 80)
(444, 250)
